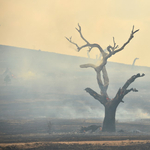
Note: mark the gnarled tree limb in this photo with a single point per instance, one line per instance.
(105, 77)
(124, 91)
(90, 46)
(70, 40)
(79, 30)
(130, 38)
(101, 99)
(88, 65)
(132, 80)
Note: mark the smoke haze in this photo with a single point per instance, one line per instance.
(45, 84)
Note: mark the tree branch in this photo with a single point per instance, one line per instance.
(132, 80)
(127, 91)
(88, 65)
(100, 83)
(87, 43)
(78, 48)
(105, 77)
(97, 96)
(130, 38)
(113, 51)
(115, 46)
(79, 30)
(124, 91)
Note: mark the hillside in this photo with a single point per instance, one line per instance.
(46, 84)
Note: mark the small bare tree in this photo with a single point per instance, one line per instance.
(110, 105)
(134, 61)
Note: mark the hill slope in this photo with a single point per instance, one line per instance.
(52, 85)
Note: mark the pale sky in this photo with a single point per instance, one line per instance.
(43, 24)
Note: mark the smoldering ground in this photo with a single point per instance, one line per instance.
(52, 85)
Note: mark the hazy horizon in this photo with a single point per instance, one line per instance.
(136, 64)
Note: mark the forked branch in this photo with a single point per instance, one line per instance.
(90, 46)
(126, 85)
(115, 46)
(79, 30)
(70, 40)
(113, 50)
(101, 99)
(124, 91)
(130, 38)
(103, 85)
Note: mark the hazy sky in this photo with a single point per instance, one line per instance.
(43, 24)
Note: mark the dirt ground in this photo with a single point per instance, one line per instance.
(96, 145)
(61, 134)
(74, 145)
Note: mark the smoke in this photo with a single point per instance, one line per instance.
(52, 85)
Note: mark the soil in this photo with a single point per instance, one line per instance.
(63, 134)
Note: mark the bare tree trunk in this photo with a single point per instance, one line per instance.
(109, 120)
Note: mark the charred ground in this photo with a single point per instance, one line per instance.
(35, 134)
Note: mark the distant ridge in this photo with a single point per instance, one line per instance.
(20, 49)
(14, 54)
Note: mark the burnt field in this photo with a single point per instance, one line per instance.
(51, 133)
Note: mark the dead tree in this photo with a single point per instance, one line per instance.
(134, 62)
(110, 105)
